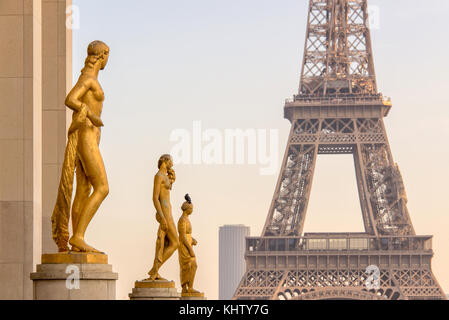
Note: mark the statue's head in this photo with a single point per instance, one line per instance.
(97, 52)
(187, 207)
(167, 159)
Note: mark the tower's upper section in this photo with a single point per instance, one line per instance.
(338, 77)
(338, 59)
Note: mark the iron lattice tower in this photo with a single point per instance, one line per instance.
(339, 110)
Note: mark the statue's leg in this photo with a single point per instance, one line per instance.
(83, 189)
(193, 268)
(173, 239)
(154, 272)
(185, 269)
(92, 162)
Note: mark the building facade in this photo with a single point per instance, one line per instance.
(231, 258)
(35, 74)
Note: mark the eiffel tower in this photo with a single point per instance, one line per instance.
(339, 110)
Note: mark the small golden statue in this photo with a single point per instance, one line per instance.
(83, 154)
(167, 237)
(187, 259)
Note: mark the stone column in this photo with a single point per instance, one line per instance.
(35, 74)
(20, 145)
(57, 81)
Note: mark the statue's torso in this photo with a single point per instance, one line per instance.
(93, 98)
(187, 227)
(164, 195)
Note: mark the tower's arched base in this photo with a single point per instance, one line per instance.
(361, 267)
(340, 294)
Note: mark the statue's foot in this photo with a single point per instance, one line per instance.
(74, 249)
(155, 276)
(158, 277)
(189, 290)
(193, 291)
(78, 245)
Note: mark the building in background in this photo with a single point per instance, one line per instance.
(35, 74)
(231, 258)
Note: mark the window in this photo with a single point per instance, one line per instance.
(317, 244)
(358, 244)
(338, 244)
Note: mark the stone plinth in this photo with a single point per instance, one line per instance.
(193, 296)
(74, 276)
(154, 290)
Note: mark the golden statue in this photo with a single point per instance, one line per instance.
(167, 237)
(83, 154)
(187, 259)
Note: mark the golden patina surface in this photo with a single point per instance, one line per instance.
(192, 294)
(167, 237)
(187, 258)
(83, 156)
(154, 284)
(74, 258)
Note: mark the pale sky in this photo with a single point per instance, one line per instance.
(231, 64)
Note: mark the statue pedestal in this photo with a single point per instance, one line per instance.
(193, 296)
(74, 276)
(154, 290)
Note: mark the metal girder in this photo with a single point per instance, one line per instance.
(381, 189)
(338, 110)
(337, 53)
(334, 266)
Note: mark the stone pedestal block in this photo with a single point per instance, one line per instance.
(154, 290)
(74, 276)
(193, 296)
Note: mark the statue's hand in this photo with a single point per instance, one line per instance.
(171, 175)
(162, 221)
(164, 225)
(96, 121)
(194, 242)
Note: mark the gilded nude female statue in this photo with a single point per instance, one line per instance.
(83, 154)
(167, 236)
(187, 259)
